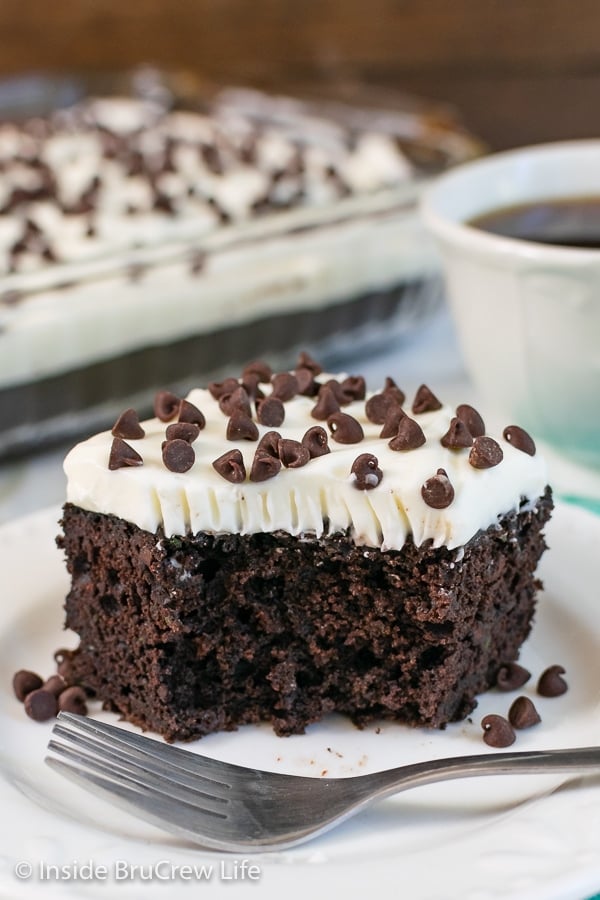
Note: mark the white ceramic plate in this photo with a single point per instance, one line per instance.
(518, 836)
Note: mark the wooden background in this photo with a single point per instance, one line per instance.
(519, 70)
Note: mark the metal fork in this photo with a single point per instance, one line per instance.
(228, 807)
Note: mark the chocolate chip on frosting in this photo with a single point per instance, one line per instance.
(550, 683)
(121, 455)
(166, 405)
(270, 411)
(511, 676)
(305, 361)
(178, 456)
(458, 435)
(335, 386)
(184, 431)
(390, 387)
(378, 406)
(366, 471)
(409, 435)
(250, 383)
(437, 491)
(472, 419)
(264, 466)
(326, 404)
(354, 387)
(217, 389)
(269, 444)
(393, 417)
(292, 454)
(519, 439)
(231, 466)
(425, 401)
(128, 426)
(345, 429)
(497, 731)
(241, 427)
(237, 401)
(485, 453)
(316, 441)
(285, 386)
(523, 714)
(190, 414)
(260, 368)
(307, 386)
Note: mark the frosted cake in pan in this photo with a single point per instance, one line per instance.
(144, 245)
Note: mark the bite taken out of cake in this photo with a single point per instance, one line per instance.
(285, 545)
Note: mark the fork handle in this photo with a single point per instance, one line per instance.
(534, 762)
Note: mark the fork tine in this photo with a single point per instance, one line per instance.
(126, 769)
(179, 818)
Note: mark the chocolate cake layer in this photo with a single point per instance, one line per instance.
(190, 635)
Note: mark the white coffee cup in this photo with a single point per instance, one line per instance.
(527, 314)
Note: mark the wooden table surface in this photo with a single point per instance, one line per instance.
(519, 71)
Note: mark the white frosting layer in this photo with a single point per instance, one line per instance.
(318, 498)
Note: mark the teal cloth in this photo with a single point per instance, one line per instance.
(593, 506)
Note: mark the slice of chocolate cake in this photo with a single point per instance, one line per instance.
(283, 546)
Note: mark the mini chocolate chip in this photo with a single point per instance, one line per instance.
(393, 417)
(326, 404)
(183, 431)
(128, 426)
(270, 412)
(41, 705)
(345, 429)
(264, 466)
(305, 361)
(73, 700)
(121, 455)
(378, 406)
(191, 415)
(292, 454)
(409, 435)
(437, 491)
(166, 405)
(425, 401)
(55, 685)
(519, 439)
(285, 386)
(458, 435)
(390, 387)
(316, 441)
(471, 418)
(307, 386)
(550, 683)
(511, 676)
(231, 466)
(64, 663)
(237, 401)
(354, 387)
(523, 714)
(366, 471)
(261, 368)
(216, 389)
(241, 427)
(338, 392)
(269, 444)
(250, 382)
(24, 682)
(485, 453)
(178, 456)
(497, 731)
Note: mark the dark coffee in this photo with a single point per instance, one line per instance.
(566, 221)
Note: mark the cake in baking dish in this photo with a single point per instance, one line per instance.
(142, 245)
(284, 545)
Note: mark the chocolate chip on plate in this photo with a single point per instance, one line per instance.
(511, 676)
(41, 705)
(523, 714)
(550, 683)
(497, 731)
(24, 682)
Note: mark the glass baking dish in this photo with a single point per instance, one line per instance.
(156, 232)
